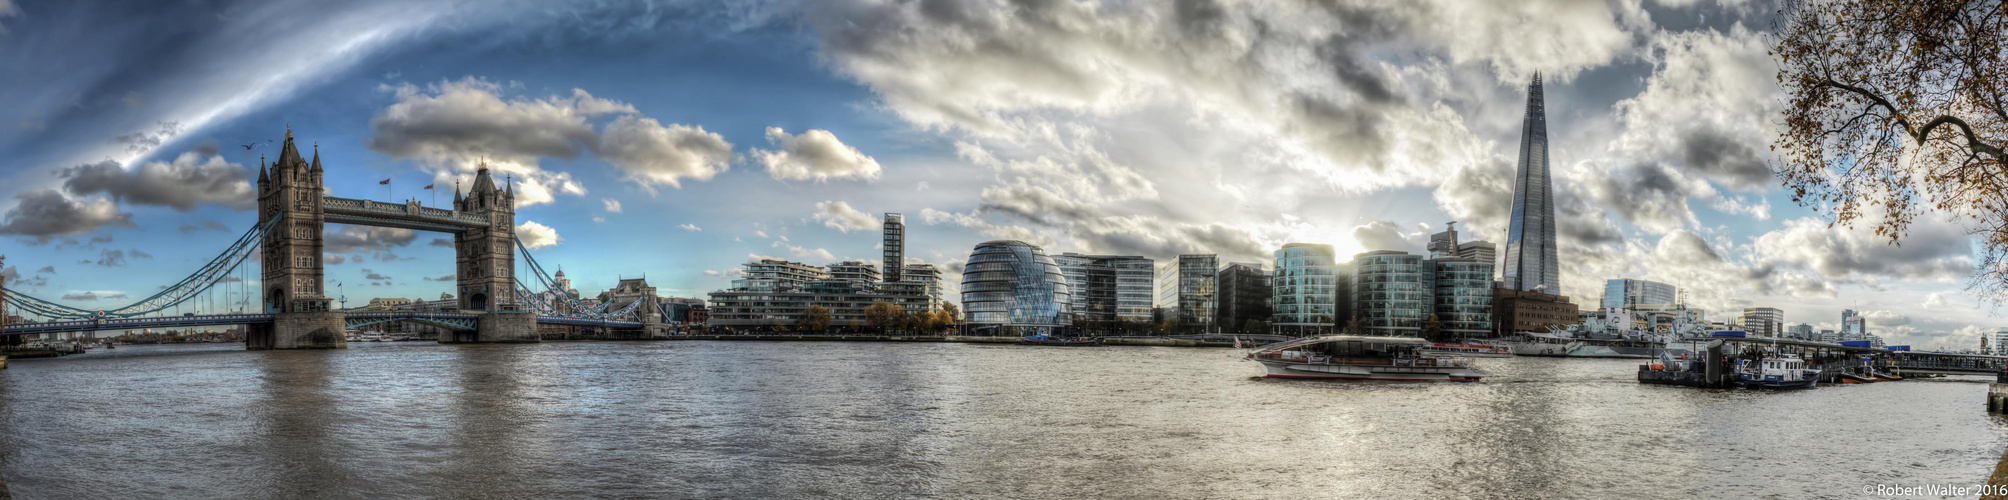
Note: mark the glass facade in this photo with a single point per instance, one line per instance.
(1531, 262)
(1305, 293)
(1390, 294)
(1245, 291)
(1462, 297)
(1108, 288)
(894, 242)
(1186, 289)
(1010, 287)
(1629, 293)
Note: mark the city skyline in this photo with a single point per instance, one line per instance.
(691, 140)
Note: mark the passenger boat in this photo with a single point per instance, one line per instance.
(1777, 372)
(1466, 350)
(1047, 340)
(1362, 358)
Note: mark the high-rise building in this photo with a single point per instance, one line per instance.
(1444, 244)
(1244, 297)
(1390, 293)
(1012, 288)
(1853, 325)
(1763, 321)
(1108, 288)
(1801, 331)
(1531, 263)
(895, 247)
(1308, 293)
(1631, 293)
(2000, 341)
(1187, 290)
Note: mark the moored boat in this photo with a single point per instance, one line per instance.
(1777, 372)
(1362, 358)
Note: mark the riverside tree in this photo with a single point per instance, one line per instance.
(815, 319)
(1895, 108)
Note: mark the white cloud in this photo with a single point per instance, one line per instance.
(814, 155)
(613, 206)
(819, 254)
(536, 235)
(657, 155)
(690, 227)
(452, 127)
(840, 216)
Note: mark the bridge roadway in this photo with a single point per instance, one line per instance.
(1948, 363)
(357, 318)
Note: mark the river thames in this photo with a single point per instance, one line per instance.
(794, 420)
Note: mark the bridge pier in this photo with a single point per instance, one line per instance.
(498, 327)
(299, 330)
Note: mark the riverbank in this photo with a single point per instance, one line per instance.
(951, 338)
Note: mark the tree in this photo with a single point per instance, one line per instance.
(882, 315)
(954, 313)
(1353, 326)
(814, 319)
(1432, 328)
(1896, 107)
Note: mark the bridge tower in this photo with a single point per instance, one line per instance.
(486, 265)
(290, 191)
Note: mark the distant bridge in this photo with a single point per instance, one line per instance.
(496, 299)
(1948, 363)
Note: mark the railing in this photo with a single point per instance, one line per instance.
(143, 322)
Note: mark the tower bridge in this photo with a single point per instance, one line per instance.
(294, 310)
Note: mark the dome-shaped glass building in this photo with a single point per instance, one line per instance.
(1013, 288)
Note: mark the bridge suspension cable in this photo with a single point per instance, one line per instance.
(172, 296)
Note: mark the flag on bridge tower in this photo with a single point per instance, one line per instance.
(384, 182)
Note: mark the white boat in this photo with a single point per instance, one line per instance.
(1362, 358)
(1466, 350)
(1777, 372)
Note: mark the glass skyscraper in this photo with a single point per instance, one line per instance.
(1530, 237)
(1013, 288)
(1391, 293)
(895, 248)
(1630, 293)
(1108, 288)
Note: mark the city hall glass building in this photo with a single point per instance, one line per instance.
(1014, 288)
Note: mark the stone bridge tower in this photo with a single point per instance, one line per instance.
(290, 191)
(485, 261)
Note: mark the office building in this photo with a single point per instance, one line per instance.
(1630, 293)
(1801, 331)
(1853, 325)
(895, 247)
(1482, 251)
(2001, 341)
(1187, 291)
(1309, 289)
(1391, 294)
(1245, 290)
(1107, 289)
(1762, 321)
(1531, 263)
(1014, 288)
(1518, 311)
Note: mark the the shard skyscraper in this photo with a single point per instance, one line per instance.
(1530, 239)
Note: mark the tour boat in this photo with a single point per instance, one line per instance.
(1777, 372)
(1362, 358)
(1466, 350)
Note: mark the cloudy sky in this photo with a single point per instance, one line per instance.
(677, 139)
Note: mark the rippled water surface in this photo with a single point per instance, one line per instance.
(795, 420)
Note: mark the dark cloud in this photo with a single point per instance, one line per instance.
(333, 260)
(1724, 158)
(137, 254)
(189, 181)
(111, 258)
(441, 242)
(373, 275)
(1381, 235)
(46, 270)
(102, 238)
(93, 296)
(207, 147)
(141, 142)
(448, 277)
(12, 277)
(342, 238)
(208, 225)
(44, 214)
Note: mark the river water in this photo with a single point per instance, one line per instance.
(878, 420)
